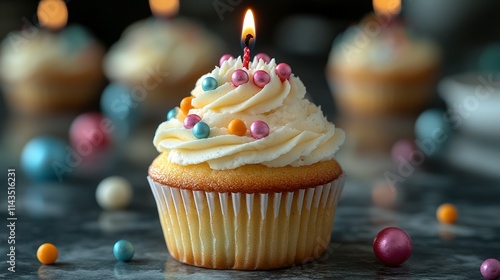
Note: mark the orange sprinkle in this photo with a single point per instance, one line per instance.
(186, 105)
(237, 127)
(447, 213)
(47, 253)
(180, 116)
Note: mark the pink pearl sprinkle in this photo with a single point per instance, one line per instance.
(392, 246)
(261, 78)
(224, 58)
(239, 77)
(191, 120)
(490, 269)
(283, 71)
(263, 56)
(259, 129)
(404, 149)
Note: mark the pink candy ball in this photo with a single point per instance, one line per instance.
(239, 77)
(283, 71)
(92, 131)
(191, 120)
(392, 246)
(261, 78)
(263, 56)
(259, 129)
(224, 58)
(405, 148)
(490, 269)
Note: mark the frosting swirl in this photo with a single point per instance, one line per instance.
(299, 132)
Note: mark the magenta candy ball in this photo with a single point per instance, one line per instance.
(392, 246)
(263, 56)
(90, 132)
(261, 78)
(283, 71)
(404, 148)
(239, 77)
(259, 129)
(191, 120)
(224, 58)
(490, 269)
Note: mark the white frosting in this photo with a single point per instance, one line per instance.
(175, 46)
(24, 54)
(299, 132)
(372, 45)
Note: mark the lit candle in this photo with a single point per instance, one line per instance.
(52, 14)
(164, 8)
(247, 37)
(386, 7)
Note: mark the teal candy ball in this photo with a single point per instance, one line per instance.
(201, 130)
(209, 83)
(41, 157)
(432, 131)
(171, 114)
(123, 250)
(118, 104)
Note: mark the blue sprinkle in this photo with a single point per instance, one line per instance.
(201, 130)
(171, 114)
(209, 83)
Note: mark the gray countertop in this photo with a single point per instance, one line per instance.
(67, 215)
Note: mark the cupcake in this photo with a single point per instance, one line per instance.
(50, 72)
(246, 177)
(161, 59)
(376, 68)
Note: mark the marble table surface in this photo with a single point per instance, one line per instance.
(67, 215)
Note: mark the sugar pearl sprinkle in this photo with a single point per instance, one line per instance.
(201, 130)
(171, 114)
(239, 77)
(224, 58)
(237, 127)
(191, 120)
(261, 78)
(209, 83)
(259, 129)
(263, 56)
(283, 71)
(186, 104)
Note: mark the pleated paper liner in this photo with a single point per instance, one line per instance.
(247, 231)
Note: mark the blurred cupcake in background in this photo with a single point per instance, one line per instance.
(46, 71)
(161, 58)
(377, 68)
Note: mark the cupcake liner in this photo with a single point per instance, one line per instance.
(247, 231)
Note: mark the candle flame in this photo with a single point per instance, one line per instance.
(248, 31)
(165, 8)
(52, 14)
(390, 7)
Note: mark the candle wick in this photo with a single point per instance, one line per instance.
(247, 39)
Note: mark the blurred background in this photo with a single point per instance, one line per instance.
(308, 37)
